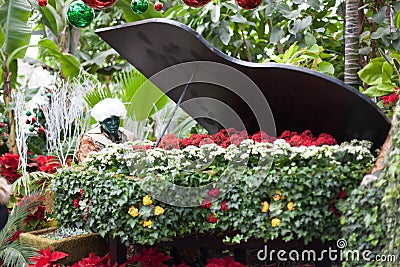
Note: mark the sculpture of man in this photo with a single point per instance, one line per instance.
(107, 113)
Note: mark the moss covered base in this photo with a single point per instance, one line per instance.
(77, 247)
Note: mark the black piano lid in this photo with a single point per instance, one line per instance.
(299, 99)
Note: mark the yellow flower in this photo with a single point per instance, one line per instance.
(158, 210)
(290, 205)
(276, 197)
(134, 212)
(147, 223)
(265, 207)
(275, 222)
(147, 200)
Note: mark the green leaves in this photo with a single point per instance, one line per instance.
(70, 66)
(311, 183)
(380, 75)
(14, 16)
(125, 5)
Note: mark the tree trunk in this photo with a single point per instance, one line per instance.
(7, 94)
(351, 56)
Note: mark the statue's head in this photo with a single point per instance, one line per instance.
(108, 113)
(111, 125)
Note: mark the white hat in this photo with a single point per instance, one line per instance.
(107, 108)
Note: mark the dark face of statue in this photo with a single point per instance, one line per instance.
(111, 125)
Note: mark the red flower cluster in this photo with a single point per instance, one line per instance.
(170, 141)
(46, 258)
(226, 137)
(392, 98)
(196, 140)
(214, 192)
(9, 167)
(36, 217)
(307, 138)
(206, 204)
(224, 206)
(93, 261)
(150, 258)
(48, 164)
(226, 262)
(10, 163)
(212, 218)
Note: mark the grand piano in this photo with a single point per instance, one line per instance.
(223, 92)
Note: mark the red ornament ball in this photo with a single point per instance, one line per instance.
(158, 6)
(248, 4)
(41, 129)
(100, 4)
(28, 122)
(42, 3)
(33, 119)
(196, 3)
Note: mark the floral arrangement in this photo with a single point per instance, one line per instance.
(295, 200)
(226, 137)
(9, 165)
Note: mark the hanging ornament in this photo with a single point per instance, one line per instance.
(100, 4)
(42, 3)
(139, 6)
(248, 4)
(196, 3)
(158, 6)
(80, 15)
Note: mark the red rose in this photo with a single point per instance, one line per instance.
(211, 218)
(214, 192)
(332, 209)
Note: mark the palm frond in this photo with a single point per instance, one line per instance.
(17, 254)
(98, 94)
(17, 215)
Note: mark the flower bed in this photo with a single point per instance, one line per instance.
(295, 199)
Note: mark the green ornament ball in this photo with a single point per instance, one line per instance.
(48, 95)
(40, 115)
(5, 120)
(5, 138)
(139, 6)
(31, 129)
(28, 113)
(79, 14)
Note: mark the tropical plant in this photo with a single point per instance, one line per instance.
(309, 57)
(15, 33)
(254, 35)
(16, 253)
(382, 75)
